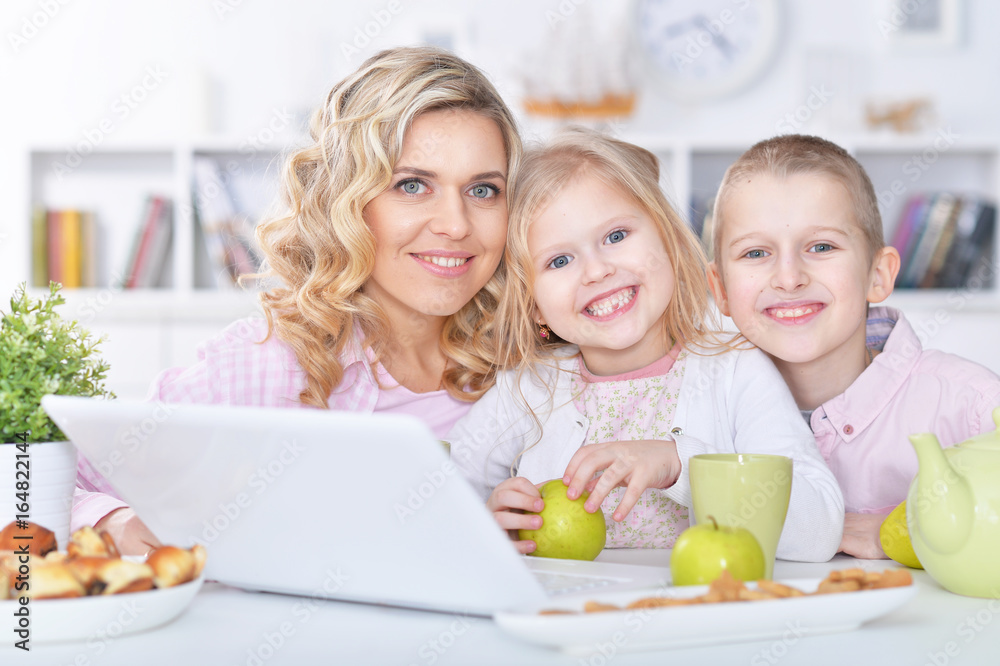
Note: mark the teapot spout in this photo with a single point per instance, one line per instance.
(943, 506)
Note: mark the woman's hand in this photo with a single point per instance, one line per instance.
(129, 533)
(638, 465)
(507, 502)
(861, 539)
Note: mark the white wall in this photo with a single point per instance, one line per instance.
(191, 68)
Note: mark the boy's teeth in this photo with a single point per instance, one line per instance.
(445, 262)
(612, 303)
(795, 312)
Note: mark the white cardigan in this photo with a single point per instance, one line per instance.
(734, 401)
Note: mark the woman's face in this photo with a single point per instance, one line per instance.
(441, 226)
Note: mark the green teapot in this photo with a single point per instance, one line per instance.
(953, 512)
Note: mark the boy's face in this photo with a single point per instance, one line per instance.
(793, 269)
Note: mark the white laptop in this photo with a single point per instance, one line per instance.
(354, 507)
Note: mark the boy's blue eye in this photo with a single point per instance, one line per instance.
(617, 236)
(484, 191)
(559, 262)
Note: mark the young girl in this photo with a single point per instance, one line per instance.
(612, 368)
(388, 260)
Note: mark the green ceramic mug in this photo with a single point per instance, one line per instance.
(748, 490)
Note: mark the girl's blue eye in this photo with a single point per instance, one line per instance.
(559, 262)
(755, 254)
(822, 247)
(484, 191)
(412, 187)
(617, 236)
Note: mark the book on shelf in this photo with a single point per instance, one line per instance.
(225, 230)
(63, 247)
(150, 245)
(942, 238)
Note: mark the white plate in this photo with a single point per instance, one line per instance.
(701, 624)
(100, 617)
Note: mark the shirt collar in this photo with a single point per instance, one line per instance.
(851, 412)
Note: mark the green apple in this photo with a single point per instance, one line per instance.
(567, 530)
(702, 551)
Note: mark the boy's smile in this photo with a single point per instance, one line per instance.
(602, 276)
(794, 274)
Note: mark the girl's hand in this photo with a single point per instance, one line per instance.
(638, 465)
(507, 502)
(861, 538)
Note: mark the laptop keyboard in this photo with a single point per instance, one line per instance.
(558, 583)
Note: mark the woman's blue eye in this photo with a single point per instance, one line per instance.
(412, 187)
(559, 262)
(484, 191)
(617, 236)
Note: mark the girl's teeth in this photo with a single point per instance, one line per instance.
(444, 262)
(609, 305)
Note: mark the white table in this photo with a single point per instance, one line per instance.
(228, 626)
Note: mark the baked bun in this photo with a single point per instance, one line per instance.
(4, 584)
(121, 576)
(53, 581)
(42, 541)
(87, 542)
(87, 570)
(176, 566)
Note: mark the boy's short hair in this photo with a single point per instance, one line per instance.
(789, 154)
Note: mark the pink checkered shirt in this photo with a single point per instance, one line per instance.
(234, 368)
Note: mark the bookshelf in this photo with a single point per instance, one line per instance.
(153, 328)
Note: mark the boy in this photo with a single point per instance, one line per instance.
(798, 257)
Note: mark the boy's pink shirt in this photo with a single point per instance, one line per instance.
(233, 369)
(862, 433)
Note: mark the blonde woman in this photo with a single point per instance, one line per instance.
(389, 260)
(617, 377)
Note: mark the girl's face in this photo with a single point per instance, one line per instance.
(603, 277)
(441, 225)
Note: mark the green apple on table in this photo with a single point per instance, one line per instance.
(702, 551)
(568, 531)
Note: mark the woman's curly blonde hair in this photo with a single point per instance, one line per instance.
(323, 252)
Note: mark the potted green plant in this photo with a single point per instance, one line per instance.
(41, 353)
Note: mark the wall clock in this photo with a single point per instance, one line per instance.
(703, 50)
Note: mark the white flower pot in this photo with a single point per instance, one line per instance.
(51, 471)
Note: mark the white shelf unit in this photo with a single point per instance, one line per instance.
(149, 329)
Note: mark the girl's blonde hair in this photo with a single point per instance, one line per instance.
(322, 250)
(634, 172)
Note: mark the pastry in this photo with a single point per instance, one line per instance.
(42, 541)
(87, 542)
